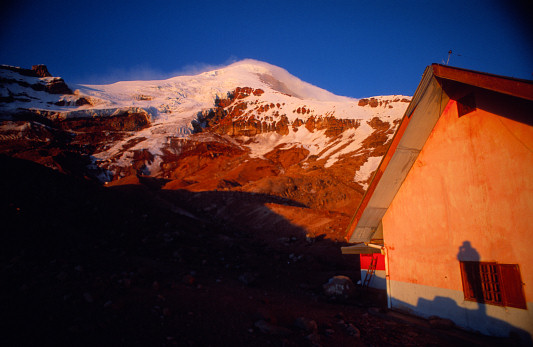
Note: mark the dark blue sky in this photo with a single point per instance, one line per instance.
(352, 48)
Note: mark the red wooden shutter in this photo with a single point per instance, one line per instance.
(470, 276)
(512, 283)
(467, 289)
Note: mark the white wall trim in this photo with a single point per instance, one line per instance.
(426, 301)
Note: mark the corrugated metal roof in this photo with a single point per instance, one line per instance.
(420, 90)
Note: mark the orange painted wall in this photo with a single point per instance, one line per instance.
(473, 181)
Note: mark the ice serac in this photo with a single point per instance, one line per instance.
(248, 127)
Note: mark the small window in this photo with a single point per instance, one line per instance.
(493, 283)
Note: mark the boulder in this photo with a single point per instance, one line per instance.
(271, 329)
(306, 324)
(352, 330)
(339, 287)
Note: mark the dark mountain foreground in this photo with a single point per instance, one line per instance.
(132, 264)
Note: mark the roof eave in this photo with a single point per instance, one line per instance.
(400, 155)
(520, 88)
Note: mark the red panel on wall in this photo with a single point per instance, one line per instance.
(366, 258)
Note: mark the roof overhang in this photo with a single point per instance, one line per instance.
(416, 125)
(363, 248)
(510, 86)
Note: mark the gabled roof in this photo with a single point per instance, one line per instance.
(439, 84)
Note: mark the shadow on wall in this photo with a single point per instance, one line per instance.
(467, 252)
(448, 308)
(475, 319)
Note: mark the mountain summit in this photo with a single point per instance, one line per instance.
(248, 72)
(248, 127)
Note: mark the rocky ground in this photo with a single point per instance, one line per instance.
(131, 264)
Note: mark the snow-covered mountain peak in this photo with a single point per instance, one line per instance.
(181, 98)
(144, 126)
(276, 78)
(205, 87)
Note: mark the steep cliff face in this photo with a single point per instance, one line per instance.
(237, 116)
(250, 127)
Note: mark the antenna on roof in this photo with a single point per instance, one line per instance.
(449, 53)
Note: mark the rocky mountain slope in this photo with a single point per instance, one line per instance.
(249, 127)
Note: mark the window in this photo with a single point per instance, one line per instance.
(493, 283)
